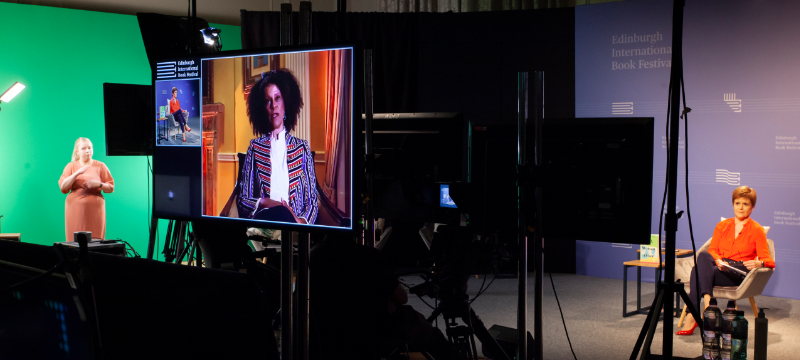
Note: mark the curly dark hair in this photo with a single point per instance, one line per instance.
(292, 99)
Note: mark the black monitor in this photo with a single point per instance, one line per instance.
(417, 157)
(128, 122)
(259, 137)
(598, 179)
(430, 147)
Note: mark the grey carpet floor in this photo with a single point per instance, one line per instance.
(592, 309)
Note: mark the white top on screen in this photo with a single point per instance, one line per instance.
(280, 171)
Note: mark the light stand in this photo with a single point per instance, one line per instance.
(287, 320)
(666, 288)
(530, 105)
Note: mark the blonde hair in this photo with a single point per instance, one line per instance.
(745, 192)
(78, 142)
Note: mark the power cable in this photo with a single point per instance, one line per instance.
(562, 316)
(37, 277)
(685, 116)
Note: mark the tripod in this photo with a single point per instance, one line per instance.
(668, 287)
(180, 242)
(462, 337)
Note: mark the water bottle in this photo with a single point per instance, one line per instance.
(761, 336)
(711, 347)
(712, 318)
(739, 337)
(727, 317)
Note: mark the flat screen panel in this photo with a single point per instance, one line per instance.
(598, 179)
(127, 110)
(268, 132)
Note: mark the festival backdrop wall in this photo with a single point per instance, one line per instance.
(742, 84)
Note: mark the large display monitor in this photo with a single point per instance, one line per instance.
(264, 137)
(597, 179)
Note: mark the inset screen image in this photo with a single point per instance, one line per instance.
(178, 113)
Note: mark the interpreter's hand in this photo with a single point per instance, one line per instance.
(83, 169)
(752, 264)
(720, 265)
(93, 184)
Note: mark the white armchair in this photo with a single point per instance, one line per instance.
(752, 286)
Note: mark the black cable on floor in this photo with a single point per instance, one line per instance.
(37, 277)
(562, 316)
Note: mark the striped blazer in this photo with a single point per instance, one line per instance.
(255, 179)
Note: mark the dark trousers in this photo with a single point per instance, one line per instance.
(178, 115)
(275, 213)
(709, 276)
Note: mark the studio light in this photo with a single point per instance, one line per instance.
(211, 37)
(12, 92)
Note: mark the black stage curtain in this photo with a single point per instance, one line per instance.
(393, 38)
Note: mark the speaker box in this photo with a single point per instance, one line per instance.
(506, 337)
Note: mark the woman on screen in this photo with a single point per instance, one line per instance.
(85, 180)
(278, 181)
(737, 242)
(177, 113)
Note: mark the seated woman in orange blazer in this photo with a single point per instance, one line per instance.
(737, 241)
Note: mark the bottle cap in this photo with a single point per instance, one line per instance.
(761, 314)
(731, 304)
(712, 302)
(740, 313)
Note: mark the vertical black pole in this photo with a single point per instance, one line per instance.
(304, 239)
(671, 222)
(286, 24)
(537, 115)
(151, 242)
(286, 236)
(303, 290)
(369, 220)
(522, 231)
(305, 23)
(286, 295)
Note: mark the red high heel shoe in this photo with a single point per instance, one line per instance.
(687, 332)
(184, 140)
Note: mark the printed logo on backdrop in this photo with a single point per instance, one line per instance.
(622, 108)
(728, 177)
(733, 102)
(785, 218)
(787, 143)
(643, 45)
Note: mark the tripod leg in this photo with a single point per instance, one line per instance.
(486, 338)
(653, 322)
(646, 326)
(167, 243)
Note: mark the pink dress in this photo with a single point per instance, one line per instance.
(85, 209)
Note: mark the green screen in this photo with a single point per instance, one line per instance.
(63, 57)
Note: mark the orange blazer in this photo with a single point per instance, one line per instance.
(751, 243)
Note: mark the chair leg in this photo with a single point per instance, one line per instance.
(683, 317)
(755, 308)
